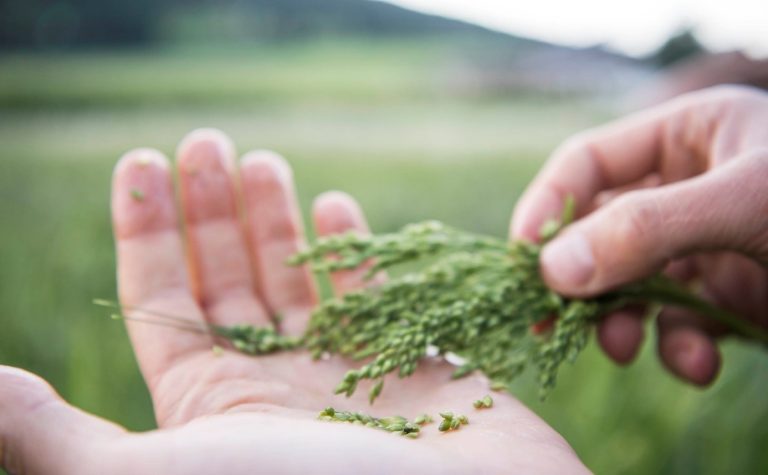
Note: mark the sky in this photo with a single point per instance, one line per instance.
(636, 27)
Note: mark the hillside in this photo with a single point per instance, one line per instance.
(41, 24)
(359, 17)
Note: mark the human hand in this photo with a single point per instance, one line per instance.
(680, 187)
(234, 413)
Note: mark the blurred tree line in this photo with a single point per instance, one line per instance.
(680, 46)
(62, 24)
(46, 23)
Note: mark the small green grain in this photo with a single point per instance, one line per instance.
(137, 194)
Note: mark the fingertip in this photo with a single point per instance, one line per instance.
(140, 158)
(266, 165)
(621, 334)
(536, 207)
(40, 432)
(205, 159)
(690, 354)
(18, 386)
(142, 193)
(202, 146)
(336, 212)
(568, 263)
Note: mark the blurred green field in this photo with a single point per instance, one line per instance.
(351, 70)
(369, 119)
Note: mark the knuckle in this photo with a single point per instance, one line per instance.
(720, 99)
(575, 144)
(759, 247)
(20, 387)
(636, 218)
(734, 93)
(753, 174)
(733, 98)
(279, 230)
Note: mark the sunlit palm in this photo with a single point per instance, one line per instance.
(232, 413)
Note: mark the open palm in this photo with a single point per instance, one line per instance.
(232, 413)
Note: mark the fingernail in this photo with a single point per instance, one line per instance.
(203, 149)
(568, 261)
(141, 158)
(533, 212)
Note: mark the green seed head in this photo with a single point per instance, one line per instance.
(375, 391)
(484, 403)
(423, 419)
(137, 194)
(411, 427)
(470, 295)
(474, 296)
(395, 427)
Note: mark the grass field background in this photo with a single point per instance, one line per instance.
(375, 119)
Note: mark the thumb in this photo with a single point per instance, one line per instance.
(40, 433)
(638, 233)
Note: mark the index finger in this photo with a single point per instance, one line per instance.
(152, 270)
(672, 140)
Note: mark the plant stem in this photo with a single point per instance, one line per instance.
(668, 292)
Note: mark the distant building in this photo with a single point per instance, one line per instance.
(552, 69)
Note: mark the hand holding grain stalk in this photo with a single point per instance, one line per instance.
(477, 298)
(222, 410)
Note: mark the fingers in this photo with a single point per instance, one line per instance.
(608, 157)
(737, 283)
(217, 248)
(336, 212)
(275, 233)
(621, 334)
(638, 233)
(685, 348)
(676, 140)
(40, 433)
(151, 267)
(687, 341)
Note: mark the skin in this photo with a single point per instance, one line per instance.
(680, 187)
(237, 414)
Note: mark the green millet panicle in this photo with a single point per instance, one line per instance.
(477, 298)
(472, 296)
